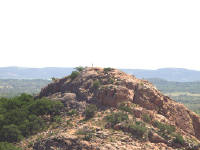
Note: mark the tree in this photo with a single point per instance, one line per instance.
(10, 133)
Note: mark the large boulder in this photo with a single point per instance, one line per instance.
(114, 95)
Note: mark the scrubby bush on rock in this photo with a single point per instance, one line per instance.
(146, 118)
(8, 146)
(96, 84)
(87, 133)
(74, 74)
(116, 118)
(179, 139)
(106, 70)
(79, 69)
(138, 130)
(125, 107)
(90, 111)
(164, 127)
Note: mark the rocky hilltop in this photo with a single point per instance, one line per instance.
(107, 109)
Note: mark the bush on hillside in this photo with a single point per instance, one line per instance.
(90, 111)
(106, 70)
(74, 74)
(96, 84)
(88, 133)
(146, 118)
(80, 68)
(116, 118)
(137, 130)
(125, 107)
(179, 139)
(10, 133)
(8, 146)
(22, 116)
(164, 127)
(45, 107)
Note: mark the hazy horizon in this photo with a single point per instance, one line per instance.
(95, 66)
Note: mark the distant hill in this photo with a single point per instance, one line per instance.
(33, 73)
(170, 74)
(172, 86)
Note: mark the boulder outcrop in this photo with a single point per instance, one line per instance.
(111, 87)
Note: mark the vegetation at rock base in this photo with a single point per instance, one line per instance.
(179, 139)
(8, 146)
(146, 118)
(54, 79)
(106, 70)
(22, 116)
(90, 111)
(74, 74)
(164, 130)
(72, 112)
(96, 84)
(116, 118)
(137, 130)
(87, 133)
(80, 68)
(125, 107)
(164, 127)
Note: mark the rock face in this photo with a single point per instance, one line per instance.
(113, 87)
(113, 95)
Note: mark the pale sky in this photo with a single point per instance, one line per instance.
(146, 34)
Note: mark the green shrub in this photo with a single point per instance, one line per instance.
(74, 74)
(88, 133)
(15, 116)
(116, 118)
(164, 127)
(106, 70)
(96, 84)
(45, 107)
(57, 119)
(137, 130)
(8, 146)
(111, 81)
(10, 133)
(53, 79)
(72, 112)
(90, 111)
(31, 125)
(80, 68)
(22, 116)
(179, 139)
(125, 107)
(30, 144)
(146, 118)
